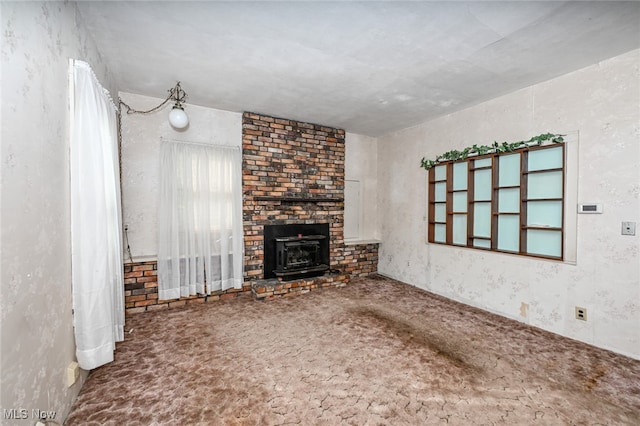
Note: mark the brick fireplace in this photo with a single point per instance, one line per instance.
(293, 173)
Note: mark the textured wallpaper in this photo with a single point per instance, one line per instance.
(141, 138)
(598, 104)
(35, 308)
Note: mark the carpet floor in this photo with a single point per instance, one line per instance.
(376, 352)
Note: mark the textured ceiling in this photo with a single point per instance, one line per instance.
(368, 67)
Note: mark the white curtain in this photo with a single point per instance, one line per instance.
(96, 247)
(200, 244)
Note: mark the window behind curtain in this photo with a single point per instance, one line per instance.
(200, 246)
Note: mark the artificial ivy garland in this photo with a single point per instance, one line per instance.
(455, 155)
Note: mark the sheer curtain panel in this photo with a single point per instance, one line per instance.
(200, 243)
(96, 246)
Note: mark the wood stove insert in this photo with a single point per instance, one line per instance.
(296, 251)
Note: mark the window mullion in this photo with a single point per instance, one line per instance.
(494, 202)
(449, 204)
(524, 159)
(432, 205)
(562, 206)
(437, 204)
(470, 205)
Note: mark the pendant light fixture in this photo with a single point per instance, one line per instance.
(177, 117)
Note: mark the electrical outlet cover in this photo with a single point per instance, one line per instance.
(581, 313)
(73, 372)
(628, 228)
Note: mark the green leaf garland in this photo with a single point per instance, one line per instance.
(455, 155)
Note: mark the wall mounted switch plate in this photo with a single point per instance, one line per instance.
(628, 228)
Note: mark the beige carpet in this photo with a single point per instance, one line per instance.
(377, 352)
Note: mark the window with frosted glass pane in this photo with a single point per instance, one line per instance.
(482, 220)
(460, 229)
(482, 190)
(483, 162)
(439, 188)
(478, 242)
(459, 202)
(440, 212)
(509, 170)
(482, 185)
(441, 191)
(545, 193)
(509, 232)
(511, 202)
(544, 213)
(440, 234)
(545, 159)
(544, 242)
(544, 185)
(460, 176)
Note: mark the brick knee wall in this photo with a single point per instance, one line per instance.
(361, 260)
(140, 285)
(141, 290)
(141, 281)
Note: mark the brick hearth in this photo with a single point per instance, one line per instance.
(269, 289)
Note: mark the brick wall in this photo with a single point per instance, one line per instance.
(292, 172)
(361, 259)
(141, 290)
(140, 286)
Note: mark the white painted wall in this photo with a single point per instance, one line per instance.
(601, 102)
(361, 164)
(141, 138)
(35, 308)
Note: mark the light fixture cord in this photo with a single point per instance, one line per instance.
(126, 228)
(126, 238)
(175, 93)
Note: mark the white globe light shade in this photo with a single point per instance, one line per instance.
(178, 118)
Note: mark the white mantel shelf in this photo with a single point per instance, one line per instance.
(360, 242)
